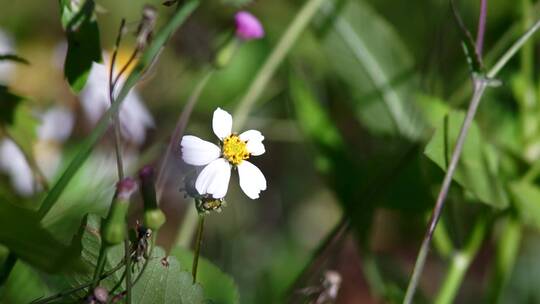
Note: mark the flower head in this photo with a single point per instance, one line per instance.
(248, 26)
(233, 152)
(134, 116)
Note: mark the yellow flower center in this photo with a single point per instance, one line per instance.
(234, 149)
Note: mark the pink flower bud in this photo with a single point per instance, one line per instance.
(248, 26)
(125, 188)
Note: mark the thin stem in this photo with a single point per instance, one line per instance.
(178, 132)
(512, 50)
(7, 267)
(198, 244)
(188, 227)
(100, 266)
(481, 28)
(479, 88)
(75, 289)
(505, 258)
(460, 263)
(260, 82)
(127, 256)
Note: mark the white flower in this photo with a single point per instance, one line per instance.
(233, 152)
(55, 127)
(13, 162)
(134, 117)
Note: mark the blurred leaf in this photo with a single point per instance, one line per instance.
(21, 232)
(477, 170)
(8, 105)
(82, 33)
(23, 286)
(342, 174)
(14, 58)
(526, 198)
(218, 286)
(166, 284)
(369, 56)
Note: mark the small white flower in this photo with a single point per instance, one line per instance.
(134, 117)
(233, 152)
(55, 127)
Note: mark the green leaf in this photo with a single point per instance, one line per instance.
(84, 48)
(21, 232)
(158, 284)
(477, 170)
(526, 199)
(23, 286)
(369, 56)
(166, 284)
(88, 145)
(342, 174)
(9, 103)
(218, 286)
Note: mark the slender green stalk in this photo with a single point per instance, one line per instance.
(65, 293)
(128, 271)
(442, 241)
(100, 266)
(7, 267)
(460, 263)
(178, 132)
(480, 85)
(506, 255)
(189, 225)
(198, 244)
(298, 25)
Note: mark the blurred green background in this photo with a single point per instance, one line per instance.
(346, 117)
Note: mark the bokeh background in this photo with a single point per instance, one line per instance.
(385, 189)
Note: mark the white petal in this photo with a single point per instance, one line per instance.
(13, 162)
(222, 123)
(251, 135)
(252, 180)
(56, 124)
(254, 140)
(255, 148)
(198, 152)
(214, 178)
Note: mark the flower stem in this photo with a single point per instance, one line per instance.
(302, 19)
(128, 271)
(178, 132)
(460, 263)
(507, 251)
(479, 88)
(198, 243)
(100, 266)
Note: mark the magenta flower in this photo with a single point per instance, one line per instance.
(248, 26)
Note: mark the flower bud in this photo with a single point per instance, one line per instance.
(114, 228)
(153, 217)
(248, 26)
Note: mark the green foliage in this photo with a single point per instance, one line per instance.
(23, 286)
(84, 48)
(17, 120)
(477, 170)
(219, 288)
(526, 198)
(167, 284)
(369, 56)
(22, 233)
